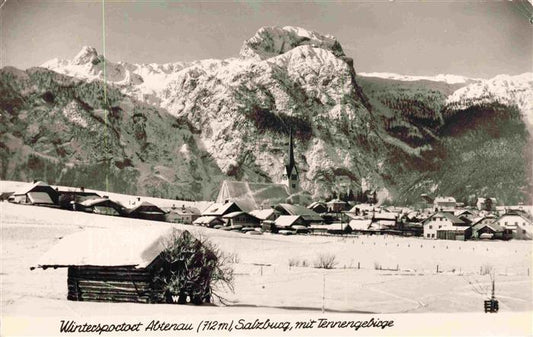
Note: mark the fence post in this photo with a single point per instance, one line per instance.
(323, 290)
(397, 267)
(437, 269)
(358, 265)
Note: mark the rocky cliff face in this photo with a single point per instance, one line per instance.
(182, 127)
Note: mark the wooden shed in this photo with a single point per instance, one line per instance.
(114, 266)
(36, 193)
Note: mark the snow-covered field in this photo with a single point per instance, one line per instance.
(264, 280)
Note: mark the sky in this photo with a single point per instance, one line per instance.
(478, 39)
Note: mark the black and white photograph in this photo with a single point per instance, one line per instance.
(266, 168)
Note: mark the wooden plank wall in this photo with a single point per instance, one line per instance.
(110, 284)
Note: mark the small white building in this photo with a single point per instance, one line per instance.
(444, 203)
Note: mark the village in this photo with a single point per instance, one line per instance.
(255, 208)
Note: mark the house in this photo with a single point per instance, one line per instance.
(265, 214)
(308, 216)
(37, 193)
(383, 220)
(334, 228)
(492, 230)
(210, 221)
(103, 206)
(337, 206)
(360, 224)
(184, 215)
(291, 222)
(220, 209)
(146, 210)
(446, 204)
(240, 218)
(68, 196)
(112, 265)
(445, 226)
(520, 226)
(362, 209)
(318, 207)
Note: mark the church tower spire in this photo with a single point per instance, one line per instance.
(291, 176)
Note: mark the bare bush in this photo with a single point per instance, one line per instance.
(305, 263)
(325, 261)
(195, 268)
(487, 269)
(294, 262)
(377, 266)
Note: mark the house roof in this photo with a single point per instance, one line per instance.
(184, 210)
(364, 207)
(494, 226)
(219, 208)
(99, 201)
(146, 207)
(286, 220)
(478, 220)
(39, 185)
(236, 214)
(315, 204)
(455, 220)
(360, 224)
(385, 216)
(514, 214)
(206, 219)
(337, 201)
(262, 214)
(250, 196)
(109, 247)
(306, 213)
(444, 199)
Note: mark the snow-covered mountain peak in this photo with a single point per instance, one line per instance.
(506, 89)
(272, 41)
(87, 54)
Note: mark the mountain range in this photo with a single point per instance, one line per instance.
(177, 130)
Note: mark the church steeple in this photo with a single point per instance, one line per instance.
(291, 177)
(290, 163)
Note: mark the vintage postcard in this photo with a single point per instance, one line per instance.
(270, 168)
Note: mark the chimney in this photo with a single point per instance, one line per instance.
(82, 189)
(106, 196)
(138, 198)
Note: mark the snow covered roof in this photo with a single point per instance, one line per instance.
(444, 200)
(360, 224)
(220, 208)
(337, 202)
(109, 247)
(250, 196)
(262, 214)
(184, 210)
(455, 220)
(233, 214)
(286, 220)
(98, 201)
(362, 207)
(39, 185)
(385, 216)
(206, 219)
(306, 213)
(146, 207)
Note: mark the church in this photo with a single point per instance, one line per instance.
(250, 196)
